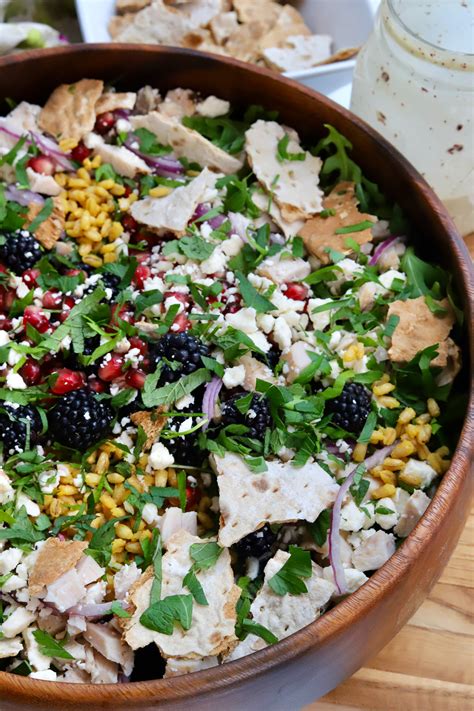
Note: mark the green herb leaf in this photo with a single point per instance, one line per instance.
(319, 529)
(195, 247)
(364, 225)
(359, 486)
(162, 615)
(117, 609)
(191, 581)
(221, 131)
(42, 215)
(50, 647)
(251, 296)
(149, 143)
(181, 478)
(259, 630)
(365, 435)
(156, 561)
(205, 555)
(283, 153)
(168, 394)
(288, 578)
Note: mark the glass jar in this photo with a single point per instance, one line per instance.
(414, 83)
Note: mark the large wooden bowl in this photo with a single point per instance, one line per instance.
(313, 661)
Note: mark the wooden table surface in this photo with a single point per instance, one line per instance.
(429, 665)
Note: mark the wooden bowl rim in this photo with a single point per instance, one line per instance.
(334, 623)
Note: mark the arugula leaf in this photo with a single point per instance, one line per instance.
(283, 153)
(288, 578)
(42, 215)
(106, 172)
(191, 581)
(319, 528)
(421, 276)
(162, 615)
(168, 394)
(435, 307)
(50, 647)
(222, 131)
(238, 197)
(205, 555)
(251, 296)
(149, 143)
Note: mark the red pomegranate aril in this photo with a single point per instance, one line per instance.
(36, 318)
(111, 369)
(193, 497)
(295, 291)
(31, 372)
(137, 343)
(66, 381)
(183, 298)
(5, 323)
(141, 274)
(235, 305)
(30, 276)
(52, 299)
(96, 385)
(80, 153)
(104, 123)
(42, 164)
(135, 378)
(129, 223)
(180, 324)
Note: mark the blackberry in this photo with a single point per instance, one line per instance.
(20, 252)
(106, 281)
(79, 419)
(271, 357)
(351, 409)
(72, 362)
(185, 449)
(257, 544)
(181, 349)
(19, 427)
(257, 417)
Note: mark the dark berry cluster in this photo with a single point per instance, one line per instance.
(180, 353)
(79, 419)
(351, 409)
(19, 252)
(257, 417)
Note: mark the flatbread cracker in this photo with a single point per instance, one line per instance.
(223, 25)
(319, 233)
(284, 614)
(113, 100)
(187, 142)
(118, 23)
(70, 111)
(55, 558)
(212, 630)
(124, 6)
(244, 42)
(281, 494)
(299, 53)
(289, 22)
(250, 11)
(173, 212)
(51, 229)
(151, 422)
(341, 55)
(156, 24)
(293, 184)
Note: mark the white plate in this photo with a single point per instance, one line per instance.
(348, 22)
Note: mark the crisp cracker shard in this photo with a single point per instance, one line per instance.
(113, 100)
(299, 53)
(174, 211)
(284, 614)
(212, 629)
(418, 328)
(281, 494)
(70, 111)
(51, 229)
(55, 558)
(319, 233)
(294, 185)
(249, 11)
(289, 23)
(186, 142)
(151, 422)
(155, 24)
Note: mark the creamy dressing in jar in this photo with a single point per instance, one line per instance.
(414, 83)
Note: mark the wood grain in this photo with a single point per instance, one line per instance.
(430, 663)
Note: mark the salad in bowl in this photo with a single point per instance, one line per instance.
(224, 375)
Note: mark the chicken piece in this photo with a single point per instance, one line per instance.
(414, 509)
(374, 551)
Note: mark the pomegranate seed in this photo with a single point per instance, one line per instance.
(96, 385)
(136, 342)
(52, 299)
(66, 381)
(180, 324)
(42, 164)
(31, 372)
(295, 291)
(235, 305)
(104, 123)
(129, 223)
(74, 272)
(135, 378)
(30, 276)
(141, 274)
(5, 323)
(128, 191)
(183, 298)
(80, 152)
(193, 497)
(112, 368)
(36, 318)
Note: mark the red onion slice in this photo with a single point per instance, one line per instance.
(211, 393)
(94, 609)
(389, 242)
(23, 197)
(333, 541)
(166, 166)
(46, 145)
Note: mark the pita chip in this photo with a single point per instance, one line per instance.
(266, 203)
(201, 12)
(288, 23)
(118, 23)
(249, 11)
(51, 229)
(55, 558)
(244, 42)
(178, 667)
(123, 161)
(341, 55)
(294, 184)
(320, 233)
(281, 494)
(187, 142)
(299, 53)
(173, 212)
(124, 6)
(223, 25)
(284, 614)
(156, 24)
(70, 111)
(113, 100)
(212, 629)
(151, 422)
